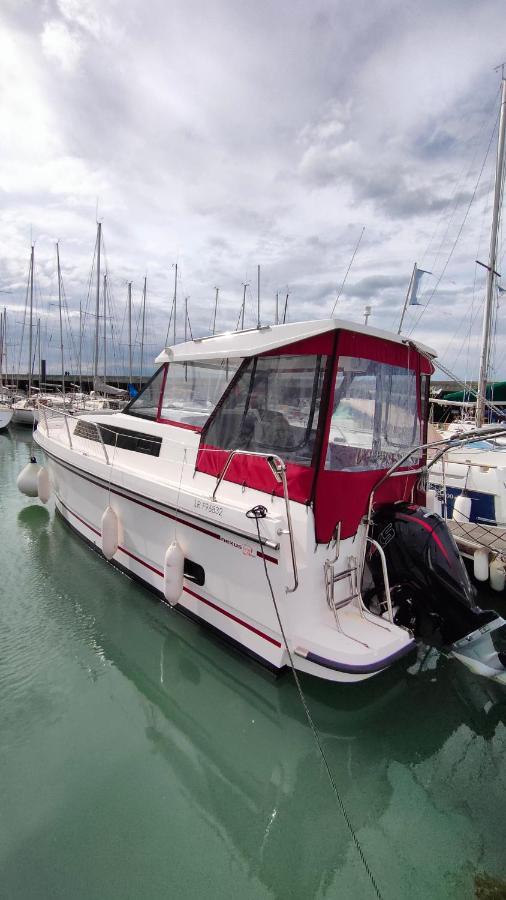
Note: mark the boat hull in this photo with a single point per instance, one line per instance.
(24, 417)
(234, 600)
(5, 418)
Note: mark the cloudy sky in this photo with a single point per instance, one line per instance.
(229, 134)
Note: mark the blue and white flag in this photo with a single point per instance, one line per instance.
(415, 281)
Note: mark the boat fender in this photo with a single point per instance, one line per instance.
(173, 573)
(43, 485)
(462, 509)
(497, 575)
(110, 530)
(431, 500)
(480, 565)
(27, 478)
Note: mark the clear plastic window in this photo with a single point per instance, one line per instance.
(375, 416)
(192, 390)
(145, 405)
(274, 407)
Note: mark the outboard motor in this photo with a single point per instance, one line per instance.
(430, 588)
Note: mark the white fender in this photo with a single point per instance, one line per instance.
(110, 530)
(173, 568)
(431, 500)
(497, 575)
(480, 565)
(43, 484)
(462, 509)
(27, 478)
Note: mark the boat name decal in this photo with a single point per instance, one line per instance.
(212, 508)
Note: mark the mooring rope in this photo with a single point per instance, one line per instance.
(257, 513)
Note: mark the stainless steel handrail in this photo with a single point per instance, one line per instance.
(66, 415)
(280, 470)
(381, 552)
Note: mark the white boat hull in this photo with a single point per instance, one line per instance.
(23, 417)
(5, 418)
(235, 599)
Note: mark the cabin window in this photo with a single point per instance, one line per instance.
(192, 390)
(145, 405)
(273, 407)
(375, 416)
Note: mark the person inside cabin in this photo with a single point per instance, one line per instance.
(270, 430)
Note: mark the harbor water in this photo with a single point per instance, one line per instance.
(142, 758)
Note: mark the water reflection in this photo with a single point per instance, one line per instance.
(417, 753)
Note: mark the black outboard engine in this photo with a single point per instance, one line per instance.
(430, 588)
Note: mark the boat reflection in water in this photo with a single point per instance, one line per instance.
(415, 754)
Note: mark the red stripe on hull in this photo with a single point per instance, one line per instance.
(187, 590)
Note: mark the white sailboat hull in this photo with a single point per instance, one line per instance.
(5, 418)
(23, 415)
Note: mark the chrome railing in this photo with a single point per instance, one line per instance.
(56, 415)
(278, 469)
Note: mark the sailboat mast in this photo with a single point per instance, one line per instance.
(130, 332)
(243, 308)
(80, 347)
(5, 343)
(105, 326)
(61, 324)
(30, 336)
(143, 324)
(258, 296)
(406, 301)
(39, 349)
(215, 309)
(1, 349)
(174, 304)
(491, 276)
(97, 303)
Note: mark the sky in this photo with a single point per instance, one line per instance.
(227, 135)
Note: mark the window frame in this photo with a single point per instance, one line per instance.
(127, 409)
(323, 370)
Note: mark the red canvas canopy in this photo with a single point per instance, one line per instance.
(336, 495)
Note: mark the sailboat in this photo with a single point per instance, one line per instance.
(24, 411)
(469, 483)
(5, 402)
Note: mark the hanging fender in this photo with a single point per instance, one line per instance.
(27, 479)
(43, 485)
(111, 532)
(173, 573)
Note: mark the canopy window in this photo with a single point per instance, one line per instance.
(374, 418)
(146, 404)
(192, 390)
(273, 407)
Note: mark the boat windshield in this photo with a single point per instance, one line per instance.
(273, 407)
(375, 416)
(192, 390)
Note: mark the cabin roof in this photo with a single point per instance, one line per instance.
(242, 344)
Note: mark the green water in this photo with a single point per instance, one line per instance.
(140, 758)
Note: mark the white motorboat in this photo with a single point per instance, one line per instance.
(5, 416)
(266, 482)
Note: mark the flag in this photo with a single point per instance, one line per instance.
(415, 281)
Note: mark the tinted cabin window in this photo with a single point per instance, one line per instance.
(192, 390)
(145, 405)
(273, 407)
(375, 415)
